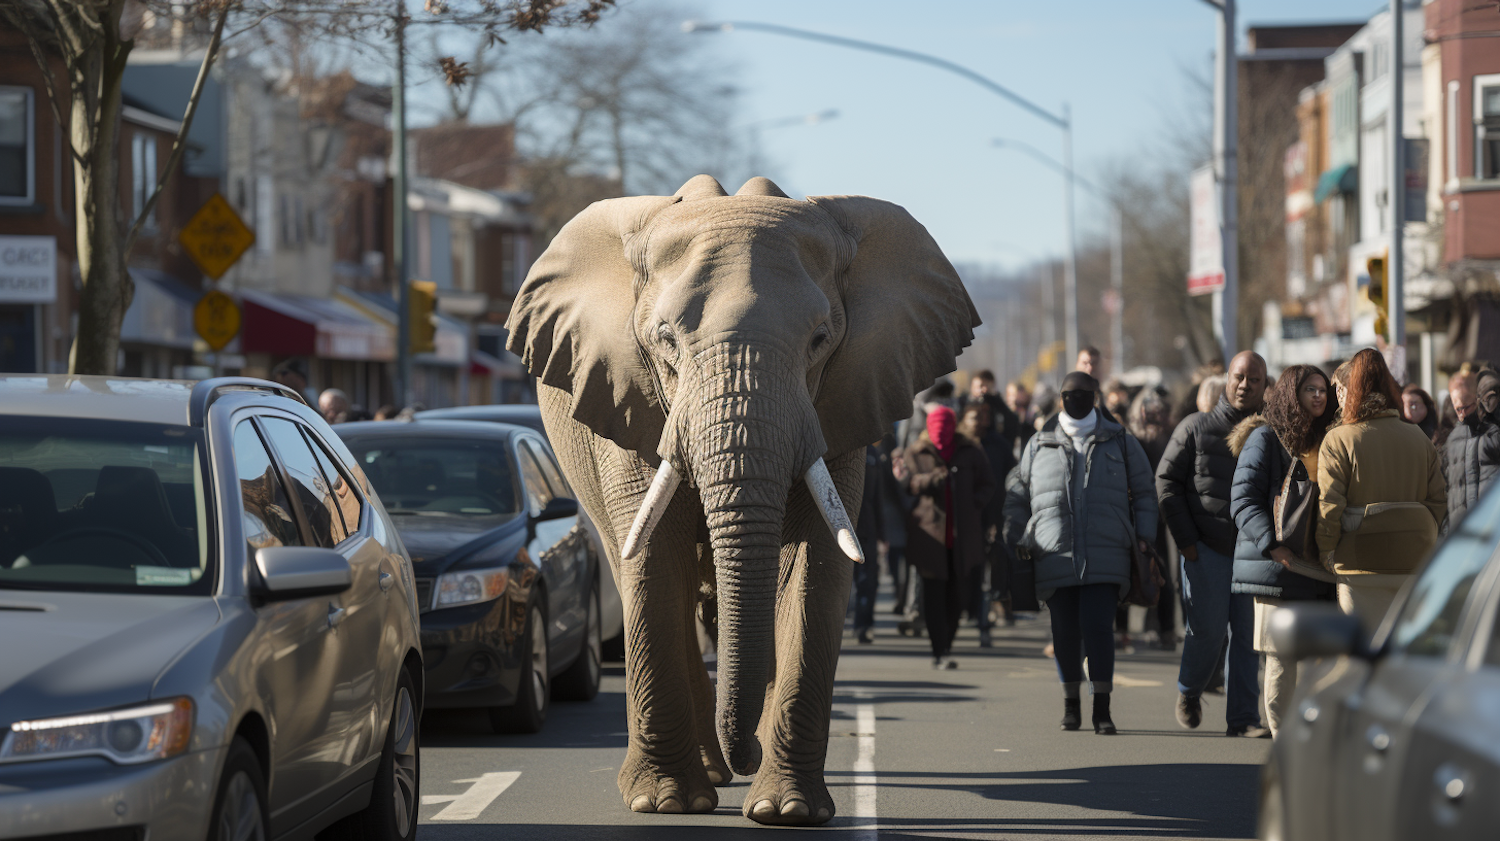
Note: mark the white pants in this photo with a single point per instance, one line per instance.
(1279, 679)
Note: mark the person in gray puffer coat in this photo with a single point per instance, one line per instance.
(1471, 455)
(1079, 499)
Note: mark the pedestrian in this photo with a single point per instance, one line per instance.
(897, 504)
(1018, 398)
(333, 405)
(940, 394)
(1078, 506)
(1043, 406)
(1210, 390)
(950, 480)
(386, 412)
(1383, 494)
(1002, 422)
(1088, 361)
(1117, 400)
(986, 580)
(292, 373)
(1471, 455)
(1417, 407)
(870, 531)
(1193, 485)
(1278, 461)
(1151, 423)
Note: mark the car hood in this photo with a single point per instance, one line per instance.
(76, 652)
(436, 543)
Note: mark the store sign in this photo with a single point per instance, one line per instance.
(1206, 258)
(28, 270)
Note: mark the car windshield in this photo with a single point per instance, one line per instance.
(439, 477)
(102, 506)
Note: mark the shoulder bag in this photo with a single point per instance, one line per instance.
(1146, 579)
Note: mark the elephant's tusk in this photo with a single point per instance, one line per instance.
(832, 509)
(652, 507)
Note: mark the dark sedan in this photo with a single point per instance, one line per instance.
(507, 583)
(1398, 737)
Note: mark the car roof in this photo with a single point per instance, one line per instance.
(112, 398)
(430, 429)
(521, 414)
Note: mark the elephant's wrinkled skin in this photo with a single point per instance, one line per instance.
(739, 338)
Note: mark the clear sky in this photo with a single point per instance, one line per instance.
(921, 137)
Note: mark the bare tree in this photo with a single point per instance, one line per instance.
(93, 40)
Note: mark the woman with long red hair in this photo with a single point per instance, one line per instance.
(1383, 494)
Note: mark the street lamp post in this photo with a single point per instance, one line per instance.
(1395, 268)
(1116, 240)
(398, 223)
(1226, 171)
(1063, 121)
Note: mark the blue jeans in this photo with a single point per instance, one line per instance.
(1210, 611)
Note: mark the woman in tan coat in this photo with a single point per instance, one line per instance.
(1383, 494)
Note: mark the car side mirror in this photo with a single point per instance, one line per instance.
(299, 572)
(1307, 631)
(559, 507)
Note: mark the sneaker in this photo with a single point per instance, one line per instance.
(864, 636)
(985, 639)
(949, 663)
(1189, 711)
(1253, 731)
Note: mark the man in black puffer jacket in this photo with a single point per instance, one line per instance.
(1471, 457)
(1193, 485)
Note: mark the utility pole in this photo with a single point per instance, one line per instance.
(1117, 283)
(1226, 168)
(1395, 266)
(399, 221)
(1070, 267)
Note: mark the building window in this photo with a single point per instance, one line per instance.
(1487, 126)
(17, 147)
(143, 171)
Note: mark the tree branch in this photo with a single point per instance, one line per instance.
(179, 143)
(48, 82)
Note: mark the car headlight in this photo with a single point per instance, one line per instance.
(471, 585)
(126, 736)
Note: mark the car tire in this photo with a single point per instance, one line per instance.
(581, 681)
(240, 802)
(533, 689)
(392, 813)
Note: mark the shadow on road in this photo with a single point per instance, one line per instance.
(599, 723)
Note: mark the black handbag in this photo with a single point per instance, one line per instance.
(1295, 511)
(1146, 579)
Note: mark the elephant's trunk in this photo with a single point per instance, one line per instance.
(754, 434)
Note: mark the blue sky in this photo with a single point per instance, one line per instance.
(921, 137)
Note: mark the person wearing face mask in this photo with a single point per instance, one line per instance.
(949, 479)
(1077, 505)
(1471, 455)
(1193, 484)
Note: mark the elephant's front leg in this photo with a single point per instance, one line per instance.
(810, 607)
(664, 766)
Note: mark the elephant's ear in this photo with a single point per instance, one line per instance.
(571, 322)
(908, 318)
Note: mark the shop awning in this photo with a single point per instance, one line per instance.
(161, 313)
(482, 364)
(301, 325)
(1340, 179)
(450, 341)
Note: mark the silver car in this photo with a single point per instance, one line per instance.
(209, 622)
(1399, 737)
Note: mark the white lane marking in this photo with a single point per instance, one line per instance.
(864, 771)
(1002, 750)
(469, 805)
(1133, 682)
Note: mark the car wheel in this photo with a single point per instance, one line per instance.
(581, 681)
(392, 813)
(240, 804)
(533, 690)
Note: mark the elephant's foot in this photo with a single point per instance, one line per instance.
(784, 797)
(714, 764)
(648, 787)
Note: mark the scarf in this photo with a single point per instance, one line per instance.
(1079, 429)
(941, 425)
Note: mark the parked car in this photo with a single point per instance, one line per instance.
(210, 624)
(1397, 737)
(611, 608)
(507, 581)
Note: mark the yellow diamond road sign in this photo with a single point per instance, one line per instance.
(216, 317)
(216, 237)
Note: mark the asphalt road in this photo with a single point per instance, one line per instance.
(915, 753)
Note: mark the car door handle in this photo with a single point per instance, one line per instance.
(1378, 738)
(335, 615)
(386, 580)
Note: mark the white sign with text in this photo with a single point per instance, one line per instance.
(28, 270)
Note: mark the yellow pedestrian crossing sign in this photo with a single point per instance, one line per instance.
(216, 317)
(216, 237)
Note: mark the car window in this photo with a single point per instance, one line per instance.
(102, 505)
(538, 494)
(553, 474)
(1429, 620)
(267, 512)
(437, 477)
(345, 497)
(307, 481)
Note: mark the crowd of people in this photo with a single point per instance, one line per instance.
(1242, 493)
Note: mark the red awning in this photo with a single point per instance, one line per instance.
(301, 325)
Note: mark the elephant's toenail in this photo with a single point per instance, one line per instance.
(641, 804)
(717, 777)
(825, 813)
(702, 804)
(764, 809)
(795, 809)
(669, 806)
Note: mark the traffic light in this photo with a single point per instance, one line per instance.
(1375, 267)
(421, 306)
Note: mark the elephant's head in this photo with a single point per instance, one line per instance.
(740, 339)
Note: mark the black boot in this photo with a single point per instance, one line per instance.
(1102, 725)
(1072, 713)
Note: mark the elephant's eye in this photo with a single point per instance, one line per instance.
(820, 340)
(667, 338)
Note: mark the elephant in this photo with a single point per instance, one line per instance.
(710, 369)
